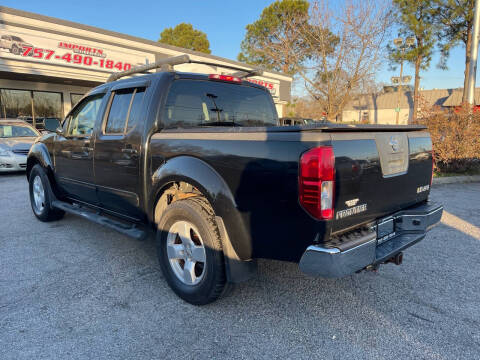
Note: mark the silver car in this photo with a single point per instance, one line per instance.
(16, 138)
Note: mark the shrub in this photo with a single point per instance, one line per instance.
(456, 139)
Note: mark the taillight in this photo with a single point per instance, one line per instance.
(317, 182)
(225, 78)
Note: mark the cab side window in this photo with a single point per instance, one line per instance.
(125, 111)
(135, 115)
(83, 118)
(117, 116)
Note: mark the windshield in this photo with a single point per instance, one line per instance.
(12, 131)
(193, 103)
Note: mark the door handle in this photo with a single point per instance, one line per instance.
(129, 151)
(86, 145)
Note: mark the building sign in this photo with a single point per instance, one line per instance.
(273, 88)
(25, 44)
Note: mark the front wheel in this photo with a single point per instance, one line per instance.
(190, 252)
(15, 50)
(40, 196)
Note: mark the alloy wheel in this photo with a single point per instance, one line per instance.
(186, 252)
(38, 194)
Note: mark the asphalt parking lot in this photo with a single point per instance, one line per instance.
(72, 289)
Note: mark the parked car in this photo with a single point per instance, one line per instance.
(201, 161)
(16, 138)
(292, 121)
(13, 43)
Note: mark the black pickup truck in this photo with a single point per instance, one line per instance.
(201, 162)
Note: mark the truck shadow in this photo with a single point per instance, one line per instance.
(424, 293)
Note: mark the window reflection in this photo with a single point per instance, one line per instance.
(15, 103)
(75, 98)
(47, 104)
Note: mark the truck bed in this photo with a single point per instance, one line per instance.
(261, 168)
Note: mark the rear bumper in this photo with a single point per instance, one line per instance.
(410, 226)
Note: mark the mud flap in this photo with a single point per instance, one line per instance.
(236, 269)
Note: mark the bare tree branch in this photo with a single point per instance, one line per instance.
(345, 48)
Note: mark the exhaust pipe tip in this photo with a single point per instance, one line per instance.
(397, 259)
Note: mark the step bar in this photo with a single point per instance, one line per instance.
(96, 217)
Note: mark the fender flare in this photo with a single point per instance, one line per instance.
(39, 154)
(201, 175)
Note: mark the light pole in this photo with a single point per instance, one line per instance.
(473, 55)
(402, 45)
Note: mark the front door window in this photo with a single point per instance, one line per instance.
(83, 118)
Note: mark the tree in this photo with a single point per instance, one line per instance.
(272, 40)
(455, 21)
(344, 49)
(305, 107)
(185, 36)
(416, 19)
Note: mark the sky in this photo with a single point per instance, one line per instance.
(223, 21)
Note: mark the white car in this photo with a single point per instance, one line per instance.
(16, 138)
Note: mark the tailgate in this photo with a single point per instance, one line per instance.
(378, 173)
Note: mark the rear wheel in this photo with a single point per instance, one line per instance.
(41, 197)
(190, 251)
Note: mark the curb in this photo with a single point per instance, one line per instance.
(456, 179)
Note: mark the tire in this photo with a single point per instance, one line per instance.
(191, 222)
(15, 50)
(41, 196)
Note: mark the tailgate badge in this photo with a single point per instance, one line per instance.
(352, 202)
(423, 188)
(351, 211)
(394, 143)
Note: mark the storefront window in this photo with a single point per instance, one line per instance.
(75, 98)
(47, 104)
(15, 104)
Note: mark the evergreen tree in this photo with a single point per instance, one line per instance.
(185, 36)
(416, 19)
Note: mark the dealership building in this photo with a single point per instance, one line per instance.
(48, 64)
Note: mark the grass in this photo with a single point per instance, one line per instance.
(449, 174)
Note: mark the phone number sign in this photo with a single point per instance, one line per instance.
(74, 58)
(43, 47)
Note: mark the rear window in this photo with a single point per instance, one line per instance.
(193, 103)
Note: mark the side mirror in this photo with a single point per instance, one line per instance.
(51, 124)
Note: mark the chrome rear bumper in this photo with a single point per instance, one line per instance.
(409, 226)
